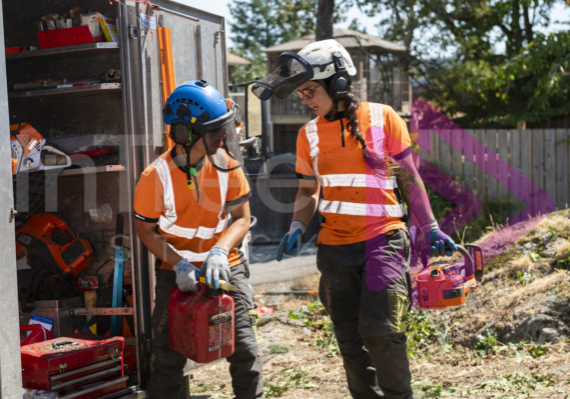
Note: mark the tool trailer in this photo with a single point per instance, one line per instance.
(95, 93)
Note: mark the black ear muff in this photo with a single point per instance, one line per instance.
(340, 82)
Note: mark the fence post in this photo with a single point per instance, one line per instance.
(562, 167)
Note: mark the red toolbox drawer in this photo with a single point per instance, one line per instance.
(66, 37)
(75, 368)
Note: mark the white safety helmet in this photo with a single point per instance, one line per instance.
(320, 56)
(316, 61)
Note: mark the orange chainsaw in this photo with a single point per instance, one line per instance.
(32, 152)
(441, 284)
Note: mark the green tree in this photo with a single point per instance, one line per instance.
(474, 58)
(264, 23)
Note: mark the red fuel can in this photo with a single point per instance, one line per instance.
(202, 324)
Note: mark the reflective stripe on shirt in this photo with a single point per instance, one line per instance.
(167, 222)
(354, 180)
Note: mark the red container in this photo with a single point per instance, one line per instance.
(66, 37)
(202, 324)
(68, 365)
(38, 334)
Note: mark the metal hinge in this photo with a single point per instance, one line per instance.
(13, 214)
(132, 32)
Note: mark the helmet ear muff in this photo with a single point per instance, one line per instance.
(339, 84)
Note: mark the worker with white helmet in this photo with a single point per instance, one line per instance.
(350, 151)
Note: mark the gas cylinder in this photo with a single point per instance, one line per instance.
(202, 324)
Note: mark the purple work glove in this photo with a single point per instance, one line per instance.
(441, 244)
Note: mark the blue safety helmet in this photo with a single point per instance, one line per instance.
(198, 105)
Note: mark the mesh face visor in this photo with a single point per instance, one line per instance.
(291, 71)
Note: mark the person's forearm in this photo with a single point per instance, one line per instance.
(158, 246)
(413, 190)
(306, 204)
(235, 233)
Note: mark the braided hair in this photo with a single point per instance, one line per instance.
(377, 163)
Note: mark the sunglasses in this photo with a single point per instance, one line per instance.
(307, 93)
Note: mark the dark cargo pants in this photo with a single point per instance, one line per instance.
(365, 288)
(245, 363)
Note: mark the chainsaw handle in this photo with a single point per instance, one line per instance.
(468, 260)
(58, 152)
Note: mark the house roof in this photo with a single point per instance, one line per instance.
(346, 37)
(236, 60)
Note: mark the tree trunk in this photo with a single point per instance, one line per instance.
(325, 13)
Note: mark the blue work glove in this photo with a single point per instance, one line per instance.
(186, 276)
(290, 244)
(441, 244)
(216, 266)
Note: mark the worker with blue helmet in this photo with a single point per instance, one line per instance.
(184, 195)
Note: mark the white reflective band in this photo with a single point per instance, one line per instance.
(204, 233)
(370, 181)
(313, 137)
(376, 115)
(191, 256)
(167, 222)
(355, 209)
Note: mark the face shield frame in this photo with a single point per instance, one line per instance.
(291, 71)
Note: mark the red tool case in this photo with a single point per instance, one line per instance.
(75, 368)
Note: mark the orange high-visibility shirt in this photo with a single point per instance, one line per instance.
(357, 204)
(190, 225)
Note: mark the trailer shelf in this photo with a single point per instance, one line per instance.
(92, 169)
(77, 91)
(62, 52)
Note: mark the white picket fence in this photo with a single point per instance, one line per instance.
(542, 155)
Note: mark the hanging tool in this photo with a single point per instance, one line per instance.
(167, 70)
(121, 254)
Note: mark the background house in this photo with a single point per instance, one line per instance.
(382, 77)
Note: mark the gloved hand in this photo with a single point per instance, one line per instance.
(290, 244)
(186, 276)
(441, 244)
(216, 266)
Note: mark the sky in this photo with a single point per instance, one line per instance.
(220, 7)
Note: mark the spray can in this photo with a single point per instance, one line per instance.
(39, 394)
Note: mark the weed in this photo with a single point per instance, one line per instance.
(534, 256)
(433, 389)
(519, 382)
(313, 315)
(423, 333)
(550, 234)
(293, 378)
(565, 263)
(203, 387)
(486, 343)
(279, 349)
(537, 350)
(525, 277)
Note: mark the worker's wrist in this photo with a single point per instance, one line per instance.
(429, 227)
(219, 251)
(296, 225)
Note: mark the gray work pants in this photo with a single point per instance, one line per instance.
(365, 288)
(166, 380)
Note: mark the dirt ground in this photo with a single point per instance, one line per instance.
(305, 371)
(461, 352)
